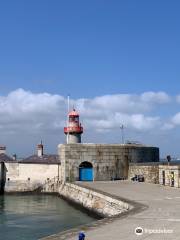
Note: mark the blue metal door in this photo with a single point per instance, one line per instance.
(85, 174)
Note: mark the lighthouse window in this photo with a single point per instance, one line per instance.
(71, 119)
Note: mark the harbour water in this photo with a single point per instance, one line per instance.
(30, 217)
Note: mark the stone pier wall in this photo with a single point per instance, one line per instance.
(99, 203)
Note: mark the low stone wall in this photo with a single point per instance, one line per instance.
(22, 177)
(149, 171)
(99, 203)
(23, 186)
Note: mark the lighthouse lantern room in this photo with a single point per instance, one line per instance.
(74, 129)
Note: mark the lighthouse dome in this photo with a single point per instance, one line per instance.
(74, 113)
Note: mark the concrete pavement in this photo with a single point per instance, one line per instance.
(161, 214)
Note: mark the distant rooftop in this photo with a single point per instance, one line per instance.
(45, 158)
(5, 158)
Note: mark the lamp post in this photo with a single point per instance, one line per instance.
(122, 133)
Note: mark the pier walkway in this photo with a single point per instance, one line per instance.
(162, 213)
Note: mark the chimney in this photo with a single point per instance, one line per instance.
(2, 149)
(14, 157)
(40, 150)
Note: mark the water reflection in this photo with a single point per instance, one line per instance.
(29, 217)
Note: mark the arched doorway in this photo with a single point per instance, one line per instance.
(85, 171)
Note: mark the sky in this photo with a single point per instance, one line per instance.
(118, 60)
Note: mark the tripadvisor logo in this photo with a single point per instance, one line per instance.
(139, 231)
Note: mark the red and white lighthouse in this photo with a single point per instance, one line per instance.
(74, 129)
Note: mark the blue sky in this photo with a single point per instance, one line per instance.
(90, 49)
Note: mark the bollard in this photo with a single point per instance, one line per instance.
(81, 236)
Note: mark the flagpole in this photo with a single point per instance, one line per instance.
(67, 140)
(68, 108)
(122, 133)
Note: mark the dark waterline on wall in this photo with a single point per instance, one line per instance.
(30, 217)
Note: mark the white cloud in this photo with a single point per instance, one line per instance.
(115, 120)
(167, 126)
(110, 111)
(173, 122)
(178, 98)
(176, 119)
(141, 122)
(25, 111)
(124, 103)
(155, 97)
(26, 118)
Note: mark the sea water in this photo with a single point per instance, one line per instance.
(30, 217)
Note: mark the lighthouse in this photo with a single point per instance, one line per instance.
(74, 129)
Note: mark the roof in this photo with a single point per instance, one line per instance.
(2, 147)
(108, 145)
(74, 113)
(6, 158)
(44, 159)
